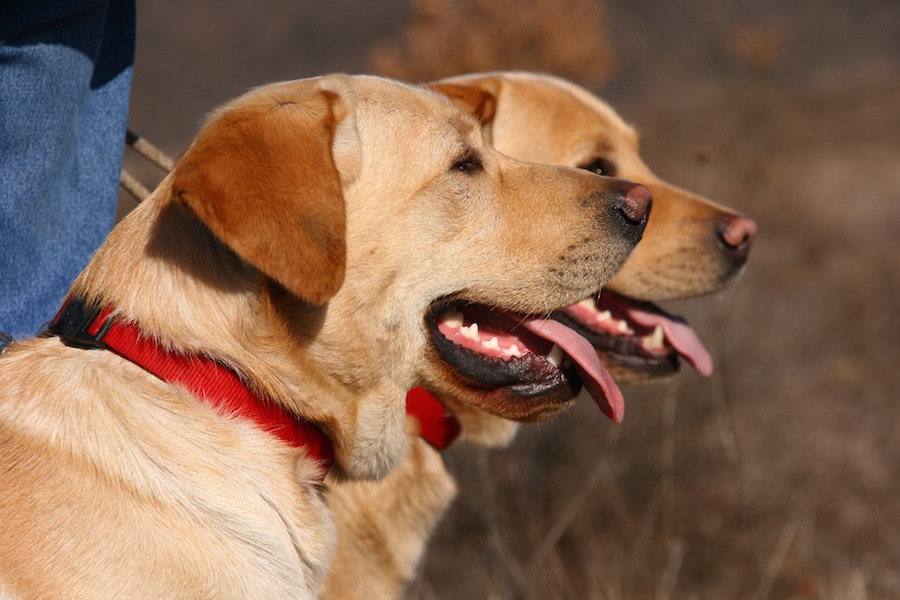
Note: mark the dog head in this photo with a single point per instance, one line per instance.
(691, 246)
(377, 210)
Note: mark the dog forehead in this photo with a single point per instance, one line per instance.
(389, 97)
(573, 124)
(585, 105)
(403, 119)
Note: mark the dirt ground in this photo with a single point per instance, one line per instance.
(778, 476)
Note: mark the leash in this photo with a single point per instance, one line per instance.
(206, 379)
(150, 152)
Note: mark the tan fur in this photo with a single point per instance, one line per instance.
(301, 239)
(383, 525)
(543, 119)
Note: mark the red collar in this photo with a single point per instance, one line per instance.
(202, 376)
(438, 426)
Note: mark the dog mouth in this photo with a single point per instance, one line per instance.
(531, 356)
(636, 335)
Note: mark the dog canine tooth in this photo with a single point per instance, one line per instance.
(452, 318)
(622, 326)
(604, 316)
(655, 340)
(555, 356)
(589, 303)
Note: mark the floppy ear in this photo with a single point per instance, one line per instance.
(262, 177)
(478, 97)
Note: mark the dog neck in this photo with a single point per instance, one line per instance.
(161, 268)
(206, 379)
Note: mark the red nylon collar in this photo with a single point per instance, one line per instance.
(438, 426)
(205, 378)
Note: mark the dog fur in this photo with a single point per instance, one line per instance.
(384, 526)
(300, 240)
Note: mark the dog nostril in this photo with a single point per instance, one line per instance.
(737, 233)
(636, 203)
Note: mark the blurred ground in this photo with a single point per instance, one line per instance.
(776, 478)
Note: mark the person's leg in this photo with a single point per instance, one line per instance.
(64, 90)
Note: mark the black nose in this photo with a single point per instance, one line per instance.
(635, 204)
(632, 204)
(736, 235)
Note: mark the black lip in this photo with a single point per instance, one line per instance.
(653, 367)
(529, 376)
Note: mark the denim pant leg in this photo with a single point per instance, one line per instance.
(64, 92)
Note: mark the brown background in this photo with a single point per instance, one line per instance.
(779, 477)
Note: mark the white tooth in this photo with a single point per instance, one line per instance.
(589, 303)
(555, 356)
(493, 344)
(622, 326)
(452, 318)
(604, 316)
(471, 331)
(655, 340)
(514, 351)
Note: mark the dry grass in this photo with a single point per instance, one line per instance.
(774, 480)
(760, 46)
(777, 478)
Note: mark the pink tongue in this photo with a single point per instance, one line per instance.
(597, 381)
(679, 334)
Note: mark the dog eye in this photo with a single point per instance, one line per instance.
(601, 166)
(468, 163)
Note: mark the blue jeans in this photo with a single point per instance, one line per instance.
(65, 80)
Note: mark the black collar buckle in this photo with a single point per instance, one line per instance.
(73, 324)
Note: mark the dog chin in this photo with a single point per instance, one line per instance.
(630, 371)
(385, 447)
(504, 402)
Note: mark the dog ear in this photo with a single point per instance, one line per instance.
(477, 97)
(261, 175)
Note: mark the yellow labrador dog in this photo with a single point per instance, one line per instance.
(691, 246)
(264, 312)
